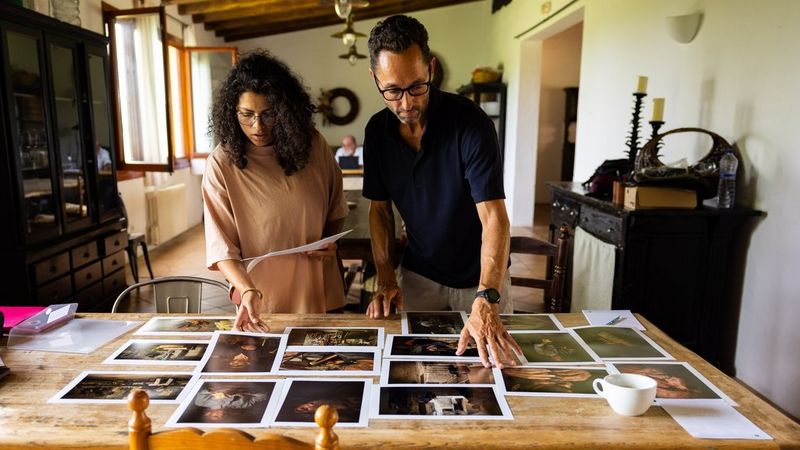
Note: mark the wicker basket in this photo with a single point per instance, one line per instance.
(486, 75)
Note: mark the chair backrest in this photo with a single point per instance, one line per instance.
(182, 294)
(554, 286)
(141, 437)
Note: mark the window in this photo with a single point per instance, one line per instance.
(160, 119)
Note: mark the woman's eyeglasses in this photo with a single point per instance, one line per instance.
(266, 118)
(395, 94)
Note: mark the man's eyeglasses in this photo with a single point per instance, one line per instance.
(415, 90)
(266, 118)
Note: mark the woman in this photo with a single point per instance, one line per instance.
(271, 184)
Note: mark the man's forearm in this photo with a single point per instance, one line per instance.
(381, 225)
(495, 242)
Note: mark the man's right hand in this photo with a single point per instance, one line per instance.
(382, 299)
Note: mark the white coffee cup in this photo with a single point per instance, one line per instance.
(628, 394)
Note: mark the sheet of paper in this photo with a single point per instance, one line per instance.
(251, 262)
(711, 419)
(603, 317)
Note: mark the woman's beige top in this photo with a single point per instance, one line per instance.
(259, 209)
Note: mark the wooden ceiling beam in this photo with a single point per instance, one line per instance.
(210, 7)
(263, 26)
(299, 9)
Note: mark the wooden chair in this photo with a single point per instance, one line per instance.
(553, 287)
(141, 437)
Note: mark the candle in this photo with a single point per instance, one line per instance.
(658, 110)
(641, 86)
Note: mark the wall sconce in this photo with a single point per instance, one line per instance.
(348, 35)
(352, 56)
(684, 28)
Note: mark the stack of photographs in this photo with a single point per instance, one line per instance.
(236, 353)
(332, 351)
(423, 378)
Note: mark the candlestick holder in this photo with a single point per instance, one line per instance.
(633, 137)
(656, 125)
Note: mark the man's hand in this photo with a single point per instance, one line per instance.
(247, 317)
(329, 251)
(485, 327)
(382, 299)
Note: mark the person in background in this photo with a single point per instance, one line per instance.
(271, 184)
(349, 148)
(435, 155)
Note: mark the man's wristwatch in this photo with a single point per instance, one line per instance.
(491, 295)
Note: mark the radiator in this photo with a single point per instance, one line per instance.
(166, 213)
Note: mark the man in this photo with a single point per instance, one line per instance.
(349, 148)
(435, 156)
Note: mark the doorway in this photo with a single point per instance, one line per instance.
(558, 100)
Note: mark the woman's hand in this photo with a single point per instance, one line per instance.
(248, 316)
(329, 251)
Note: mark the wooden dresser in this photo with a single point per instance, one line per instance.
(676, 267)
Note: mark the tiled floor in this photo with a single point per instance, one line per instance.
(185, 255)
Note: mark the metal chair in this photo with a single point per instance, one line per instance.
(554, 286)
(175, 294)
(141, 437)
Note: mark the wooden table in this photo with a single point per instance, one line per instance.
(26, 421)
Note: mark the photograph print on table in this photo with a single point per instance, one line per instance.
(621, 344)
(188, 325)
(332, 361)
(318, 337)
(676, 380)
(439, 402)
(159, 352)
(551, 381)
(432, 322)
(427, 346)
(436, 372)
(553, 347)
(530, 322)
(241, 403)
(302, 396)
(234, 352)
(114, 387)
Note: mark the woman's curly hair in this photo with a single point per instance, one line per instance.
(261, 73)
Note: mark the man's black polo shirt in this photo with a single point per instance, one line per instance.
(436, 188)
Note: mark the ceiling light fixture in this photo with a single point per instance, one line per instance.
(343, 8)
(348, 35)
(352, 56)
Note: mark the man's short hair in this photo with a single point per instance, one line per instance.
(396, 34)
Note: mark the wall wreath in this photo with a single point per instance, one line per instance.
(325, 106)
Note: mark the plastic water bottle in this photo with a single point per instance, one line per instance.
(726, 191)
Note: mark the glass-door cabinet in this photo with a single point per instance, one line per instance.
(58, 129)
(61, 238)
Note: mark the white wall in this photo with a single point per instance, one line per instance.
(455, 32)
(738, 78)
(561, 61)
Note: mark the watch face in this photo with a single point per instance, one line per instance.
(490, 294)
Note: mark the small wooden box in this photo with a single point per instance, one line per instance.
(649, 197)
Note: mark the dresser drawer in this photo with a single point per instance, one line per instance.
(88, 275)
(605, 226)
(51, 268)
(84, 254)
(564, 211)
(115, 243)
(114, 283)
(88, 298)
(54, 292)
(113, 263)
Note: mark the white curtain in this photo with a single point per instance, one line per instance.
(202, 90)
(593, 264)
(142, 92)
